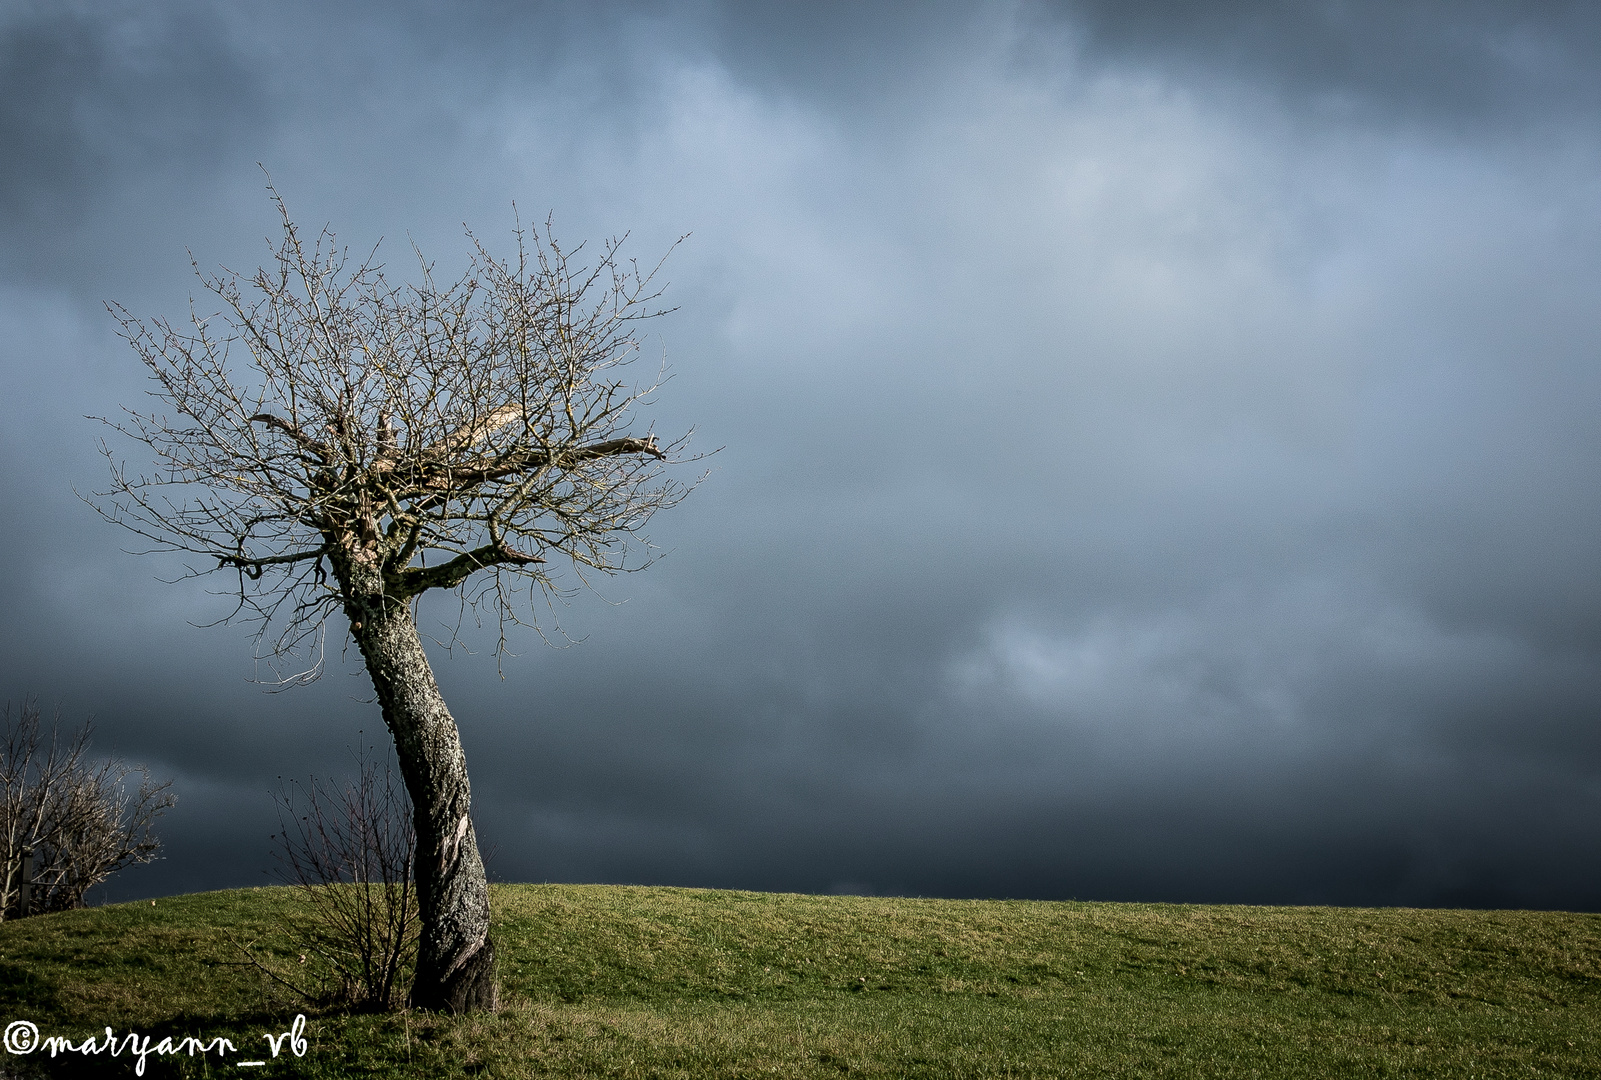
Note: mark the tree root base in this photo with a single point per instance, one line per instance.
(470, 988)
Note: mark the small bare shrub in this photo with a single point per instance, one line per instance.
(348, 851)
(67, 823)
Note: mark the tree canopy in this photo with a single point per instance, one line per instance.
(426, 432)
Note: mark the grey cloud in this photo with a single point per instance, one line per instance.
(1420, 60)
(97, 101)
(1133, 487)
(1208, 757)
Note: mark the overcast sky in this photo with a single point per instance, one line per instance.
(1159, 441)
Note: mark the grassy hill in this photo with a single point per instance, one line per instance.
(643, 982)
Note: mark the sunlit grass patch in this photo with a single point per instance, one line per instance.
(645, 982)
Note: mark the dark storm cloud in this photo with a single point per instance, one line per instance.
(1423, 59)
(857, 59)
(1159, 439)
(98, 100)
(1434, 61)
(1228, 753)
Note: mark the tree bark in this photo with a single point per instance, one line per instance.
(455, 955)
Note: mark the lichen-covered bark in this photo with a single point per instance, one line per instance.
(455, 956)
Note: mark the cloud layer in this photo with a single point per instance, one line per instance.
(1158, 449)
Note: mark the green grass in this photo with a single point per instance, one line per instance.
(645, 982)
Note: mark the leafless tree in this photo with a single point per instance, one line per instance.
(340, 445)
(66, 823)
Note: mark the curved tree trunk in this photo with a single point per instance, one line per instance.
(455, 956)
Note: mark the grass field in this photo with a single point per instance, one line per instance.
(645, 982)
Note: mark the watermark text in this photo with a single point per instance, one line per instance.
(22, 1037)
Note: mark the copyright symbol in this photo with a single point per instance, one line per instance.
(21, 1037)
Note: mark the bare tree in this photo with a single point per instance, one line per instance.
(67, 824)
(342, 445)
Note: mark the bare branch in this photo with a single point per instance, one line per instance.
(477, 430)
(448, 575)
(294, 433)
(254, 567)
(325, 420)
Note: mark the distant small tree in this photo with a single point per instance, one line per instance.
(343, 445)
(66, 822)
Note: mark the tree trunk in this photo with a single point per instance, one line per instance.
(455, 956)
